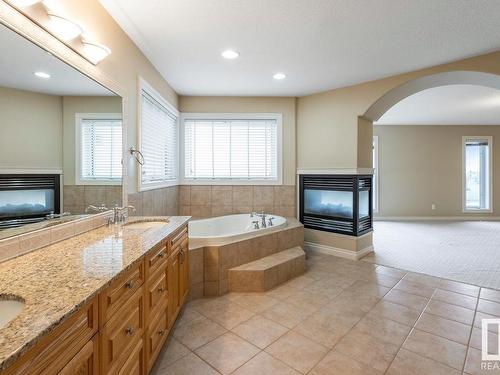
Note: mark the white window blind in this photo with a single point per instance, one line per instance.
(101, 149)
(232, 149)
(159, 129)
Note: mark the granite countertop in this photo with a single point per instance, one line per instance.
(57, 280)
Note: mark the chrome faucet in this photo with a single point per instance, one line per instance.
(101, 208)
(121, 213)
(263, 219)
(52, 215)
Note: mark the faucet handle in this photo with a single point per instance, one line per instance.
(256, 224)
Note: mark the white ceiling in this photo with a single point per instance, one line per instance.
(319, 44)
(21, 58)
(447, 105)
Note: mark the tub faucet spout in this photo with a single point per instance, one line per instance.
(263, 216)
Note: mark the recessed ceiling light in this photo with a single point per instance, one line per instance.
(230, 54)
(279, 76)
(64, 28)
(95, 52)
(42, 75)
(23, 3)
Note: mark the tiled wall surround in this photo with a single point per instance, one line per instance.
(18, 245)
(217, 200)
(209, 266)
(157, 202)
(78, 197)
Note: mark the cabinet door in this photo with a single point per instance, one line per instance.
(85, 362)
(183, 272)
(134, 365)
(173, 286)
(120, 335)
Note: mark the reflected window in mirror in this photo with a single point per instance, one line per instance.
(99, 153)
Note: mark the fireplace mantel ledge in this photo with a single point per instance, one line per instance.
(353, 171)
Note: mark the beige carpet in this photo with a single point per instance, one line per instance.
(463, 251)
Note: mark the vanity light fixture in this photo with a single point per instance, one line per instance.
(95, 52)
(230, 54)
(63, 28)
(42, 75)
(24, 3)
(279, 76)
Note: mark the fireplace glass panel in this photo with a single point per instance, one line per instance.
(328, 203)
(19, 203)
(364, 204)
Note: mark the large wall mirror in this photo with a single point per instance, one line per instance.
(60, 140)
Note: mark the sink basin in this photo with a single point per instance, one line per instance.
(145, 224)
(9, 309)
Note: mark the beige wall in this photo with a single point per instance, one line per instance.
(327, 122)
(286, 106)
(422, 165)
(81, 104)
(124, 65)
(31, 130)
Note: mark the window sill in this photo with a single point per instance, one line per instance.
(98, 182)
(158, 185)
(230, 182)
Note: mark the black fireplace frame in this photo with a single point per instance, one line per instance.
(30, 182)
(335, 224)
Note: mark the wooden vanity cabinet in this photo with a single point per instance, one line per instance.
(55, 351)
(122, 330)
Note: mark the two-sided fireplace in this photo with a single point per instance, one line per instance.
(336, 203)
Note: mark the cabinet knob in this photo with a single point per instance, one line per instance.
(161, 332)
(130, 330)
(161, 289)
(129, 284)
(161, 255)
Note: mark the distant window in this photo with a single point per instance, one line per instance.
(375, 191)
(99, 149)
(477, 167)
(159, 140)
(232, 148)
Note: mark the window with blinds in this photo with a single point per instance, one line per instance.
(231, 149)
(100, 149)
(159, 141)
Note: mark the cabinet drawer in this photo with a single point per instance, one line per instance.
(156, 292)
(156, 259)
(156, 337)
(134, 365)
(54, 351)
(85, 362)
(178, 238)
(120, 335)
(120, 290)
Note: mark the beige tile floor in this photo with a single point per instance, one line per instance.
(341, 317)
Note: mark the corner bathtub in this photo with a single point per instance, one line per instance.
(221, 230)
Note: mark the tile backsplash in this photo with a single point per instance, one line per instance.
(78, 197)
(157, 202)
(206, 201)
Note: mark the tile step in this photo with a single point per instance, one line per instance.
(268, 272)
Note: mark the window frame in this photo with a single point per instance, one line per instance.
(489, 140)
(376, 176)
(78, 147)
(278, 117)
(146, 87)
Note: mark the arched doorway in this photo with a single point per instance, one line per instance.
(443, 152)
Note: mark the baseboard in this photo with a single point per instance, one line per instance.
(342, 253)
(437, 218)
